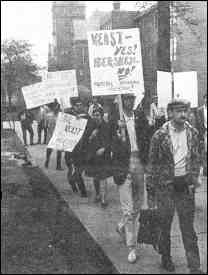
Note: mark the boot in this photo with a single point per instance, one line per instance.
(167, 264)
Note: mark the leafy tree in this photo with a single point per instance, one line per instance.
(17, 67)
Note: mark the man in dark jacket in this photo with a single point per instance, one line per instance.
(26, 119)
(131, 138)
(75, 160)
(171, 181)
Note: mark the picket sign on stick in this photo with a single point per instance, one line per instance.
(120, 106)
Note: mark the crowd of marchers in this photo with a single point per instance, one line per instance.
(164, 155)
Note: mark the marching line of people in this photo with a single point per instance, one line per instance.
(165, 152)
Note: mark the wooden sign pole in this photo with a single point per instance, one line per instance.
(120, 106)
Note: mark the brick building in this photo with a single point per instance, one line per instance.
(69, 49)
(190, 47)
(191, 44)
(155, 44)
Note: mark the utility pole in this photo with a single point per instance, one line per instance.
(172, 45)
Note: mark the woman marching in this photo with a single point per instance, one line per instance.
(99, 155)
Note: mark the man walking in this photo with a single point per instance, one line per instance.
(26, 119)
(42, 123)
(130, 148)
(171, 181)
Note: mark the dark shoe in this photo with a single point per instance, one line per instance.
(59, 169)
(167, 264)
(74, 188)
(97, 199)
(196, 271)
(84, 195)
(104, 204)
(46, 164)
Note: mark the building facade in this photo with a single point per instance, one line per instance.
(69, 49)
(190, 35)
(191, 42)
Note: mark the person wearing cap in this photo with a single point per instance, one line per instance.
(171, 181)
(201, 125)
(99, 155)
(130, 147)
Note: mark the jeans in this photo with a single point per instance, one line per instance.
(132, 198)
(178, 197)
(42, 126)
(24, 133)
(74, 175)
(58, 157)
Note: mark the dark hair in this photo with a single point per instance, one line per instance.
(99, 110)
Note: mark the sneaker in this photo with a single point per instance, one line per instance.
(132, 257)
(196, 271)
(167, 264)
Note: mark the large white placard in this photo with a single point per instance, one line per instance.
(67, 133)
(116, 62)
(185, 87)
(61, 85)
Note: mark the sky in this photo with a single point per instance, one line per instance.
(32, 21)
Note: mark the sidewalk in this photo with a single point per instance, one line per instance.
(40, 234)
(101, 223)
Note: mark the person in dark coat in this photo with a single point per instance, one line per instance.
(26, 119)
(75, 160)
(130, 146)
(201, 125)
(98, 161)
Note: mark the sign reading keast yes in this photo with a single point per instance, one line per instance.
(67, 133)
(116, 62)
(61, 85)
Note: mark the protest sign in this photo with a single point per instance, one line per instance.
(116, 62)
(67, 133)
(185, 87)
(67, 78)
(61, 85)
(164, 92)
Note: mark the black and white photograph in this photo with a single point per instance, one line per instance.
(103, 137)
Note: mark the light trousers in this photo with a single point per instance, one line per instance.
(131, 194)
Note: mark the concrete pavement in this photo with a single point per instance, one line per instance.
(101, 223)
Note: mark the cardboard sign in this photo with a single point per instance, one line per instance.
(116, 62)
(67, 133)
(185, 87)
(61, 85)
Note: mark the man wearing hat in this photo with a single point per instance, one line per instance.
(171, 180)
(130, 146)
